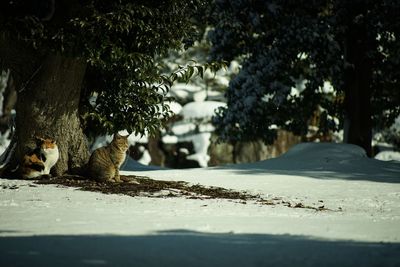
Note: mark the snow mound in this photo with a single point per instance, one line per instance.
(326, 161)
(325, 151)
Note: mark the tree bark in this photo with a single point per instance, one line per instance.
(358, 87)
(48, 94)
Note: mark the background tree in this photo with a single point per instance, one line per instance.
(354, 45)
(63, 53)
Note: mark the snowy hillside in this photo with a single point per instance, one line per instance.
(46, 225)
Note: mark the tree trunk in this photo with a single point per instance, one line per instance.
(358, 87)
(48, 94)
(48, 107)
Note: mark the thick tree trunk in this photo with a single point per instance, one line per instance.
(48, 107)
(48, 88)
(358, 88)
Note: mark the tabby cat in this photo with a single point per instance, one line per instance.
(38, 162)
(105, 161)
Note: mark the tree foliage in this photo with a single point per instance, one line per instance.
(120, 41)
(302, 44)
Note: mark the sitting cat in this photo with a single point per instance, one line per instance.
(105, 161)
(40, 160)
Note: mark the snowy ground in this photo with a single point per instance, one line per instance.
(46, 225)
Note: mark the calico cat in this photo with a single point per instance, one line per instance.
(40, 160)
(105, 161)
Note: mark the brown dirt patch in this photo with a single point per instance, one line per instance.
(149, 187)
(144, 186)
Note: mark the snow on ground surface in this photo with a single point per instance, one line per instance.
(388, 155)
(46, 225)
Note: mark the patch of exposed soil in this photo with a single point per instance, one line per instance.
(144, 186)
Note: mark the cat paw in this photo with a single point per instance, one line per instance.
(116, 179)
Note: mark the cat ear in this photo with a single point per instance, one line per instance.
(38, 140)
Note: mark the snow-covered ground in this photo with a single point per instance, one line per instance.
(46, 225)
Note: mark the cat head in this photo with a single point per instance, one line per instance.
(45, 143)
(121, 141)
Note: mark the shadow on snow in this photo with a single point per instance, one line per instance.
(186, 248)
